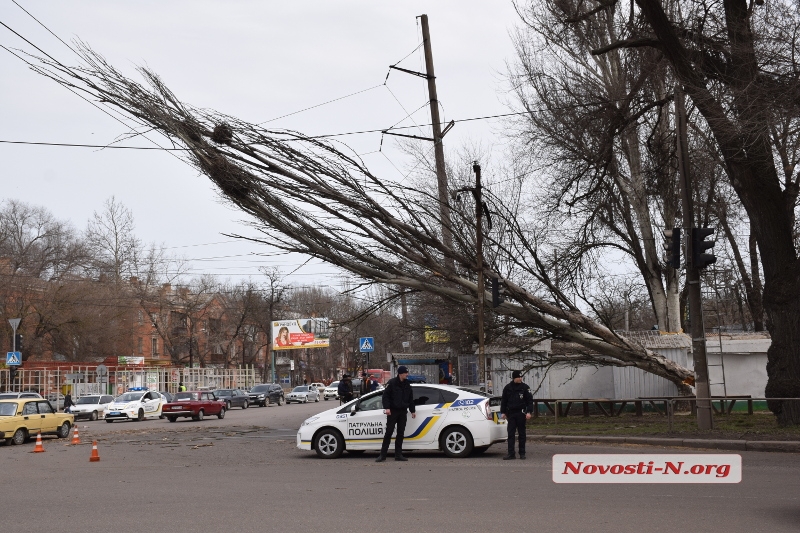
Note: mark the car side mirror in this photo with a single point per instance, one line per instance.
(354, 409)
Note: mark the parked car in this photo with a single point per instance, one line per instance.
(92, 406)
(303, 394)
(24, 417)
(454, 420)
(233, 398)
(16, 395)
(331, 392)
(265, 394)
(57, 400)
(136, 404)
(320, 386)
(196, 404)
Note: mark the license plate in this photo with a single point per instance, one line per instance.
(177, 407)
(113, 412)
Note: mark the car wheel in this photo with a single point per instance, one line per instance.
(326, 398)
(227, 405)
(221, 414)
(456, 442)
(305, 400)
(19, 437)
(108, 420)
(93, 416)
(200, 415)
(246, 405)
(63, 431)
(172, 418)
(280, 401)
(329, 444)
(140, 415)
(317, 400)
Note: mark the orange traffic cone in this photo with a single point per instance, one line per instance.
(76, 438)
(39, 448)
(95, 456)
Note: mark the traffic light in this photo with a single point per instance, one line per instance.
(18, 342)
(672, 245)
(498, 290)
(700, 245)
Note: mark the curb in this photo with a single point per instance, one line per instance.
(711, 444)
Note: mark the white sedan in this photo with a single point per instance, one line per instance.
(454, 420)
(136, 404)
(91, 407)
(303, 394)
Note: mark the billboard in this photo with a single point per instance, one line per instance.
(300, 333)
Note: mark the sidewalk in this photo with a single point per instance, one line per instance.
(712, 444)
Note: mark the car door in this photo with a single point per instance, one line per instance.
(31, 417)
(422, 430)
(48, 417)
(363, 429)
(151, 402)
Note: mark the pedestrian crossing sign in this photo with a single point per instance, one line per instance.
(366, 344)
(13, 358)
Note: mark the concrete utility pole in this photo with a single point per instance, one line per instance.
(478, 192)
(702, 389)
(441, 175)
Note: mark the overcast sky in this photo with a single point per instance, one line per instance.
(256, 60)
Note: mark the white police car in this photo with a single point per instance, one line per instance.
(136, 404)
(454, 420)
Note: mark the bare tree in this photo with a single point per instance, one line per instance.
(311, 198)
(112, 242)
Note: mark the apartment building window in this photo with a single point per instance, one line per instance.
(154, 318)
(154, 342)
(140, 343)
(141, 317)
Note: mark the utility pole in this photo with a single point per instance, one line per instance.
(479, 264)
(697, 330)
(441, 175)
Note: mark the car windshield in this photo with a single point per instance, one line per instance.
(129, 397)
(300, 389)
(224, 392)
(88, 399)
(186, 396)
(8, 396)
(8, 409)
(260, 388)
(334, 384)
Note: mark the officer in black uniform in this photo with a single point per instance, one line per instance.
(398, 399)
(516, 407)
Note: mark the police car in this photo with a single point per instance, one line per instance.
(136, 404)
(454, 420)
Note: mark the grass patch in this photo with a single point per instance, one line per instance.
(735, 426)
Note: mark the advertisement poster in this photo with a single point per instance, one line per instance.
(300, 333)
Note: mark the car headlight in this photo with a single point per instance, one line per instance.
(310, 420)
(260, 395)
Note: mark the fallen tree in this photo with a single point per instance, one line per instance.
(307, 196)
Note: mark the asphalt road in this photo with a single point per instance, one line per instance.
(244, 473)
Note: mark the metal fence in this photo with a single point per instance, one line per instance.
(81, 380)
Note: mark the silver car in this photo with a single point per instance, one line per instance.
(92, 406)
(303, 394)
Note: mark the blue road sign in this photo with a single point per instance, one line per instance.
(13, 358)
(366, 344)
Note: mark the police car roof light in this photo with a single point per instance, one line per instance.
(135, 389)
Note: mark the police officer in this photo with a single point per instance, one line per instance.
(345, 390)
(398, 399)
(516, 407)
